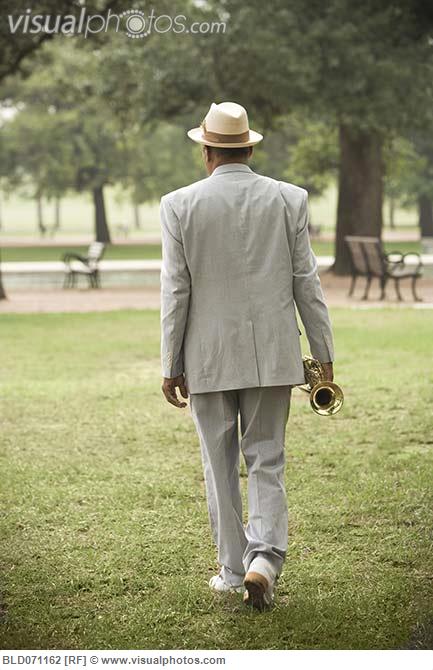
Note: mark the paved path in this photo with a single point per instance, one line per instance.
(80, 300)
(151, 265)
(31, 267)
(148, 297)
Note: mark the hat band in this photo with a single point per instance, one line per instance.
(220, 137)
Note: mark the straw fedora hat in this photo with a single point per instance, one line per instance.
(225, 125)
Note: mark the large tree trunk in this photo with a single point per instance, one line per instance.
(102, 233)
(3, 295)
(360, 191)
(40, 215)
(425, 210)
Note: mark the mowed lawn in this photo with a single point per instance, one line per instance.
(152, 251)
(104, 530)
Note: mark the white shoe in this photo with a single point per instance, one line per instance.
(259, 584)
(217, 583)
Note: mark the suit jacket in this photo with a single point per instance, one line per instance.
(236, 260)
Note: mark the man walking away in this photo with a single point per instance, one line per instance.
(236, 260)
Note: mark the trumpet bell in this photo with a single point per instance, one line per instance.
(326, 398)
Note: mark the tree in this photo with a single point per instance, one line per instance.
(314, 157)
(422, 183)
(75, 140)
(39, 155)
(358, 68)
(409, 175)
(2, 290)
(169, 78)
(363, 67)
(160, 159)
(7, 181)
(17, 48)
(397, 156)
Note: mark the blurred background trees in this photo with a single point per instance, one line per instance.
(343, 92)
(364, 69)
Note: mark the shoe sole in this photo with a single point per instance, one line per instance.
(256, 586)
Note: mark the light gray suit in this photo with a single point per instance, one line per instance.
(236, 260)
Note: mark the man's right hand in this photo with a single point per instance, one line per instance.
(329, 371)
(169, 385)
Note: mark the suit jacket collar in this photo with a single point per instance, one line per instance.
(231, 167)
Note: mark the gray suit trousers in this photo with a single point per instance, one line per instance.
(263, 413)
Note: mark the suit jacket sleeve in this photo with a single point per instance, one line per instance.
(308, 293)
(175, 292)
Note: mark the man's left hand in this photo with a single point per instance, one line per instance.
(328, 369)
(169, 386)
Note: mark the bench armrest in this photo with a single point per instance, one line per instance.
(402, 258)
(417, 255)
(67, 258)
(397, 260)
(400, 268)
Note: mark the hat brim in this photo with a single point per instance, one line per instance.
(196, 135)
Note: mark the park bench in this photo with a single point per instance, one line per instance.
(369, 260)
(76, 264)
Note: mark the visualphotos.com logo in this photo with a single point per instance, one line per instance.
(132, 22)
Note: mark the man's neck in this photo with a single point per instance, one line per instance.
(226, 162)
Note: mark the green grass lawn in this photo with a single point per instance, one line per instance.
(146, 251)
(113, 252)
(104, 530)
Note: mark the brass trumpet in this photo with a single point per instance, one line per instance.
(326, 398)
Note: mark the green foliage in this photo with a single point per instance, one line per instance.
(301, 151)
(160, 159)
(368, 65)
(271, 157)
(409, 168)
(74, 131)
(164, 77)
(18, 46)
(67, 134)
(314, 159)
(37, 153)
(401, 165)
(123, 106)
